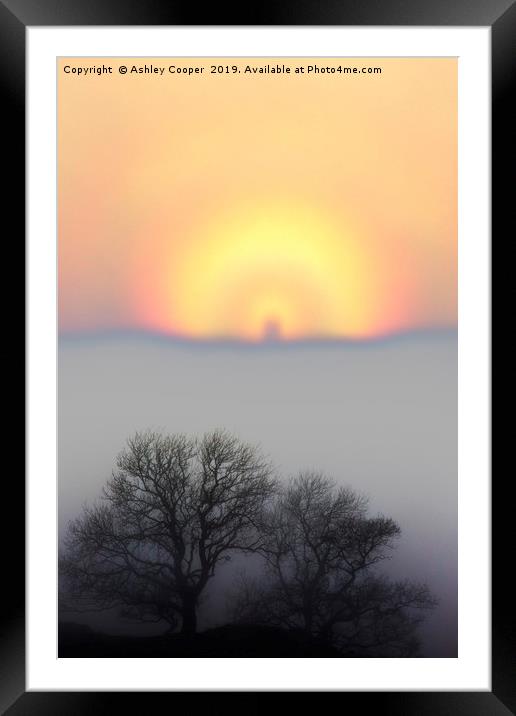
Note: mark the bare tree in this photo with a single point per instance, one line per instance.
(321, 554)
(173, 509)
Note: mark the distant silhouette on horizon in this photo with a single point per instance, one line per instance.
(272, 330)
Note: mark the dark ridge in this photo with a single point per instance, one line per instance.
(248, 640)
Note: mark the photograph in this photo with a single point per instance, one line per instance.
(257, 365)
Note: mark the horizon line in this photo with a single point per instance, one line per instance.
(231, 341)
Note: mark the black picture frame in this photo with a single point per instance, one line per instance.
(500, 16)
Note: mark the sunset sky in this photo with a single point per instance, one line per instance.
(254, 206)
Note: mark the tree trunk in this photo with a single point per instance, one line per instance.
(189, 615)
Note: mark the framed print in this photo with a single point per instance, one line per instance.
(258, 367)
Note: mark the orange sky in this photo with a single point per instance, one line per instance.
(221, 205)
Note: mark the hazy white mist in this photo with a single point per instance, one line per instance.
(380, 417)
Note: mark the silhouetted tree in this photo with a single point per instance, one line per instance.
(321, 554)
(173, 509)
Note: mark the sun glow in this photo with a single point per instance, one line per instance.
(285, 268)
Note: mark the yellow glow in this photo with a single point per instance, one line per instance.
(286, 264)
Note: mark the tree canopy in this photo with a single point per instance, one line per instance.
(321, 553)
(174, 508)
